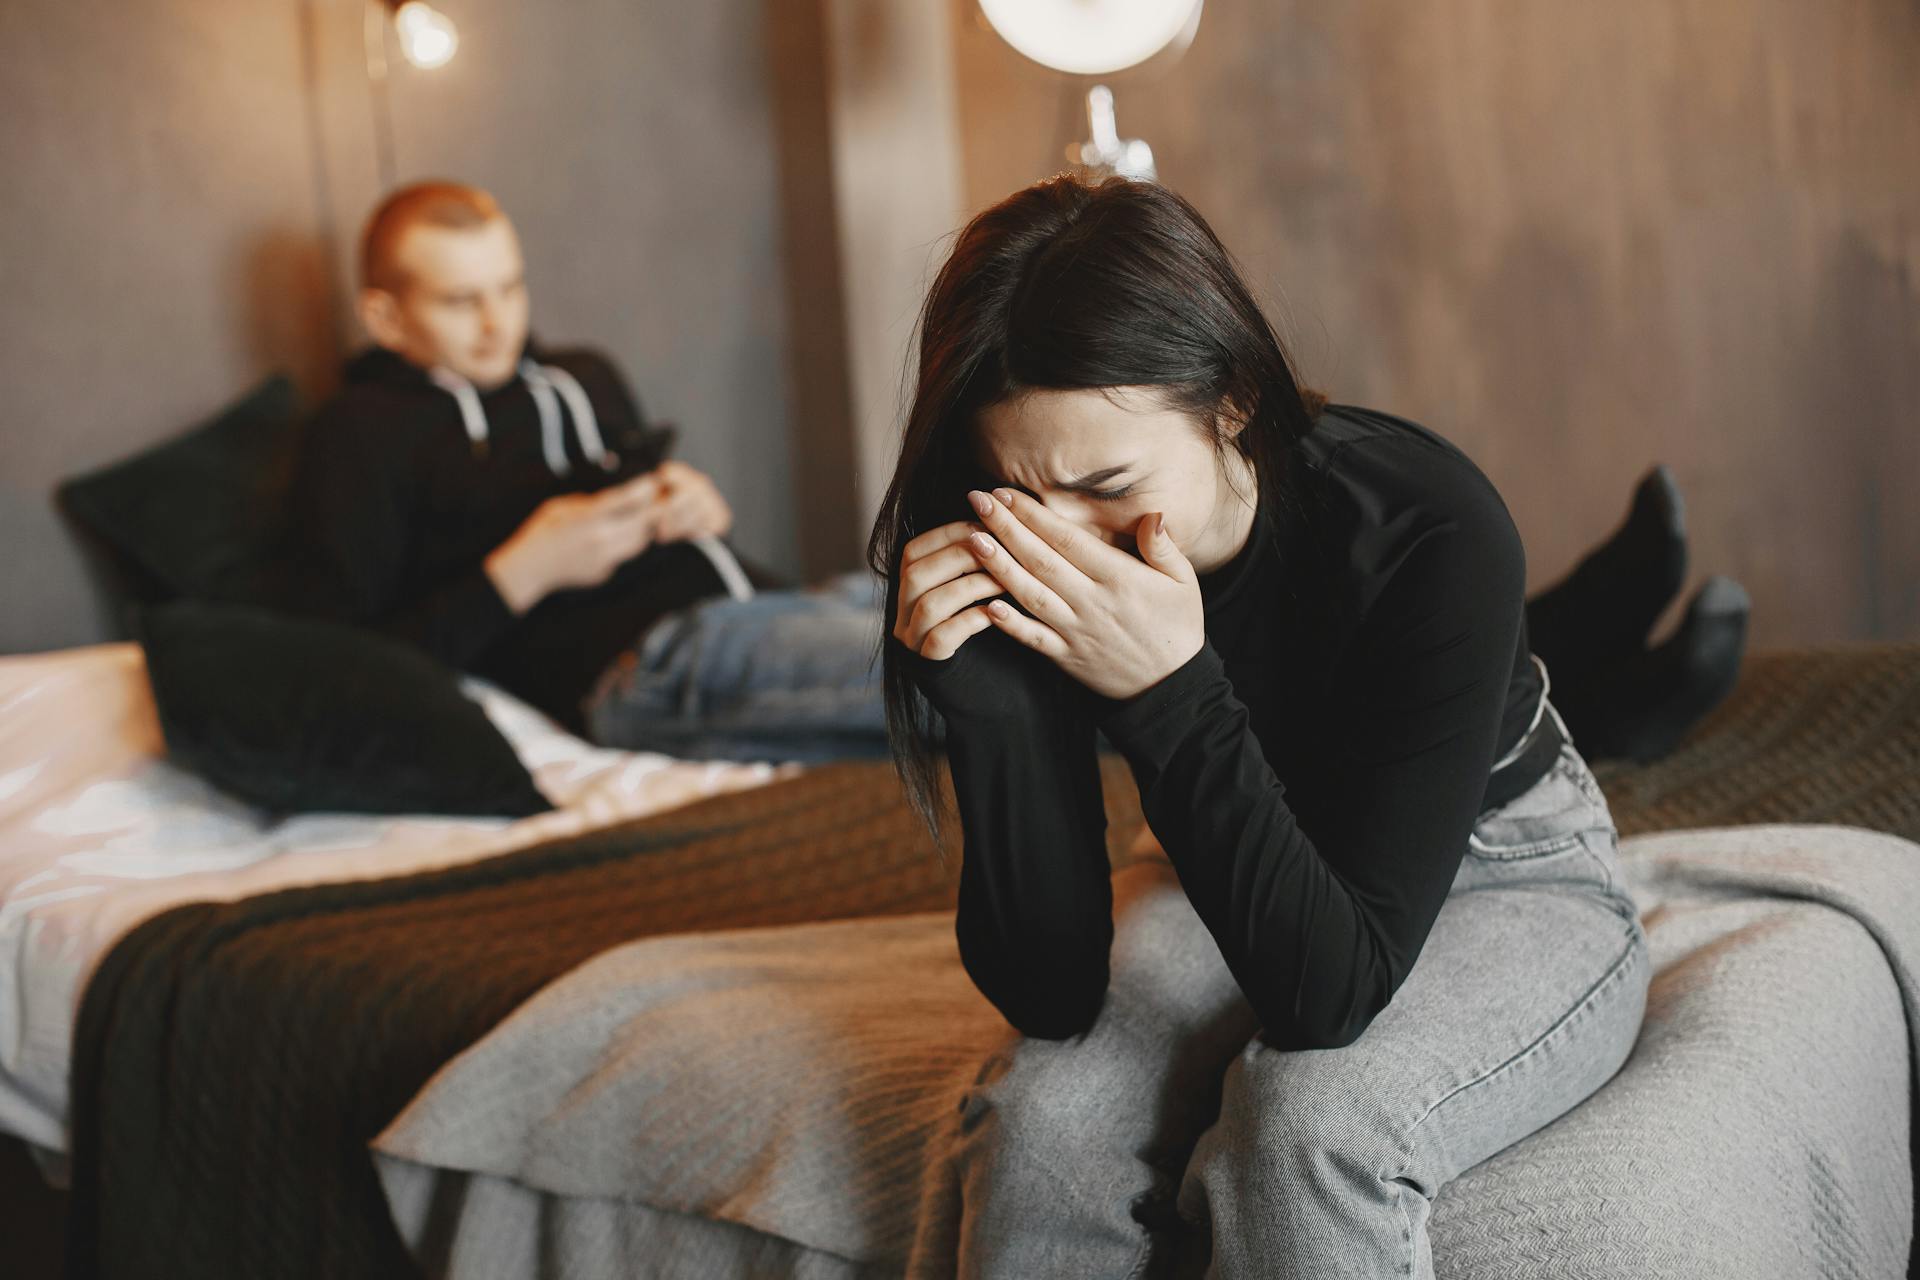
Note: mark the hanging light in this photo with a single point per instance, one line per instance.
(427, 37)
(1094, 38)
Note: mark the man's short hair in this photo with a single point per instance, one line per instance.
(453, 205)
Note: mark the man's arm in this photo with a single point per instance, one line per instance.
(357, 505)
(356, 510)
(574, 540)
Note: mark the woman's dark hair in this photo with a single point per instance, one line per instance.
(1069, 284)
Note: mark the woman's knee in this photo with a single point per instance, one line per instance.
(1315, 1115)
(1054, 1096)
(1384, 1108)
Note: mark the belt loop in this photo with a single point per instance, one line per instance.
(1564, 731)
(1546, 682)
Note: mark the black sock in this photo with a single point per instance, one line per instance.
(1641, 705)
(1603, 609)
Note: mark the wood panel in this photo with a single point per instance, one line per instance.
(1578, 240)
(187, 181)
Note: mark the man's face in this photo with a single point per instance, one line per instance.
(463, 303)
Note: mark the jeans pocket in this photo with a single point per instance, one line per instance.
(1557, 835)
(1551, 816)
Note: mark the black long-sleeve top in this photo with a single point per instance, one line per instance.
(397, 509)
(1313, 772)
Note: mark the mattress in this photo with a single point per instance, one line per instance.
(98, 832)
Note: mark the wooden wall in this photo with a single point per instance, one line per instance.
(1577, 239)
(186, 182)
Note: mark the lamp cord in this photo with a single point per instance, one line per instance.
(374, 37)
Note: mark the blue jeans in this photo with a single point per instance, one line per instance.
(1168, 1139)
(786, 675)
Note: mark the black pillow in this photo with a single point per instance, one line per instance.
(295, 715)
(202, 514)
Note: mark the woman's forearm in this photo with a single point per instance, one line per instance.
(1302, 945)
(1035, 917)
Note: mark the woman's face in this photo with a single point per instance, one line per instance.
(1104, 458)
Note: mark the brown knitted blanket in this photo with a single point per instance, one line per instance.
(232, 1061)
(1827, 734)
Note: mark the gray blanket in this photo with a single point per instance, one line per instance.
(770, 1102)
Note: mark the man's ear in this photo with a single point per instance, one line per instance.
(380, 315)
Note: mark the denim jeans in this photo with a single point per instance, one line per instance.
(785, 675)
(1168, 1139)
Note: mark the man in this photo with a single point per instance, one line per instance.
(503, 507)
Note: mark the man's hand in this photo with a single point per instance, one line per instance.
(690, 504)
(575, 540)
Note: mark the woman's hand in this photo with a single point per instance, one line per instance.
(940, 587)
(994, 681)
(1116, 624)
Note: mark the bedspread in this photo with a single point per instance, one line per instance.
(699, 1101)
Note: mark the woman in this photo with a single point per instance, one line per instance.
(1115, 513)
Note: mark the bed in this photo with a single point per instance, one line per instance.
(712, 1021)
(98, 831)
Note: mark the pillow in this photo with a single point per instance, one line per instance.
(296, 714)
(200, 515)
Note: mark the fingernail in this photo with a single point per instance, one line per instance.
(979, 501)
(983, 544)
(1005, 496)
(998, 609)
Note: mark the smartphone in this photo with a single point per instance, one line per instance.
(642, 452)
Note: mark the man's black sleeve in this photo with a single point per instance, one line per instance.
(356, 510)
(1035, 918)
(1321, 929)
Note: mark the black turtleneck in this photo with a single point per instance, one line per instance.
(398, 507)
(1313, 772)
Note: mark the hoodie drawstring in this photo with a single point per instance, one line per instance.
(585, 425)
(720, 555)
(549, 384)
(551, 442)
(472, 416)
(543, 380)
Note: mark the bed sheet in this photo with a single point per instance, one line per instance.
(98, 832)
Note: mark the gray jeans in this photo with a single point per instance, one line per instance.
(1169, 1140)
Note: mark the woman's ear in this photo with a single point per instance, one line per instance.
(1233, 418)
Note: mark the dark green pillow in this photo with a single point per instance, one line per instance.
(298, 715)
(201, 515)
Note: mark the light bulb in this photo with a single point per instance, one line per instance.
(1093, 37)
(427, 37)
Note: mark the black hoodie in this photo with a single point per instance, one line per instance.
(408, 479)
